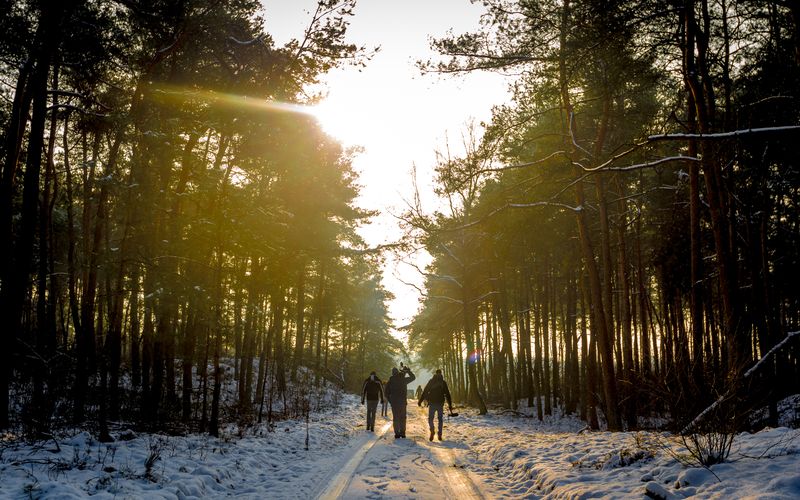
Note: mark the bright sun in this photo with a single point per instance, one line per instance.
(365, 111)
(341, 120)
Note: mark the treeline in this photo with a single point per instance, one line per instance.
(167, 211)
(621, 243)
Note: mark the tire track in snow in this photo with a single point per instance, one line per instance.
(341, 479)
(457, 482)
(382, 467)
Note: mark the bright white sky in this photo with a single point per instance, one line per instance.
(399, 116)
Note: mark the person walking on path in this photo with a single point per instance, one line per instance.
(372, 391)
(435, 393)
(384, 402)
(397, 394)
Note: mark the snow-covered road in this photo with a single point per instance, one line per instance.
(380, 466)
(493, 456)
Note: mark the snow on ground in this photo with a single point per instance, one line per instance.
(519, 457)
(395, 468)
(409, 468)
(494, 456)
(260, 464)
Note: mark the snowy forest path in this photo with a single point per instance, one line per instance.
(341, 478)
(413, 468)
(457, 482)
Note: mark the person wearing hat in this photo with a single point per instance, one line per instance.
(397, 394)
(372, 391)
(435, 393)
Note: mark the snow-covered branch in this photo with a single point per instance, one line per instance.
(747, 374)
(77, 109)
(446, 299)
(412, 285)
(254, 41)
(725, 135)
(776, 348)
(545, 204)
(440, 277)
(521, 165)
(487, 294)
(572, 136)
(496, 211)
(648, 164)
(451, 254)
(675, 137)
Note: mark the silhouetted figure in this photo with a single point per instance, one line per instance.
(385, 403)
(418, 393)
(435, 393)
(372, 391)
(396, 393)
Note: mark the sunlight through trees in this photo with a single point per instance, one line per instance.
(169, 216)
(611, 245)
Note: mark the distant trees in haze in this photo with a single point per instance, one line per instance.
(611, 243)
(164, 208)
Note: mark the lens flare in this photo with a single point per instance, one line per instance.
(181, 94)
(475, 356)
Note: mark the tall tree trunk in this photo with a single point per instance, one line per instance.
(187, 353)
(16, 270)
(623, 280)
(696, 271)
(642, 300)
(572, 375)
(18, 119)
(501, 305)
(589, 349)
(45, 328)
(14, 135)
(543, 329)
(300, 305)
(85, 336)
(554, 344)
(699, 82)
(474, 396)
(605, 342)
(18, 283)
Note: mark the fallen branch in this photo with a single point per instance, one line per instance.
(778, 346)
(516, 413)
(747, 374)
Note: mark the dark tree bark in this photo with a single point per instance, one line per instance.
(17, 263)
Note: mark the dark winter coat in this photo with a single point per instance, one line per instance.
(396, 390)
(372, 390)
(436, 391)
